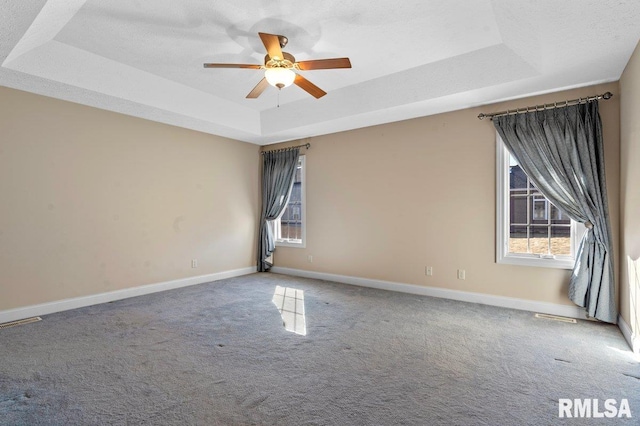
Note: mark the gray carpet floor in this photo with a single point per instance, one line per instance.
(218, 353)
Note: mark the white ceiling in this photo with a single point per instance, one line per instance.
(410, 58)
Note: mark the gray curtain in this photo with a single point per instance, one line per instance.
(561, 151)
(278, 173)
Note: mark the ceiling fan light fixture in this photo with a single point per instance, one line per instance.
(279, 68)
(280, 77)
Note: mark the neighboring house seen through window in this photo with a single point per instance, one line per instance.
(289, 228)
(530, 229)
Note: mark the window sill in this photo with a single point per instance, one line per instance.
(524, 260)
(285, 243)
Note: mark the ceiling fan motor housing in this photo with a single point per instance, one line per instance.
(287, 62)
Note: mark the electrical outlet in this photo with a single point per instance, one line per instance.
(461, 274)
(428, 271)
(194, 263)
(310, 259)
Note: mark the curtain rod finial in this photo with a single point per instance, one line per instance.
(481, 116)
(607, 95)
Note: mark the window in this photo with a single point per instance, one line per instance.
(530, 229)
(289, 228)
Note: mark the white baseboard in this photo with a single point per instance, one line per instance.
(464, 296)
(94, 299)
(634, 343)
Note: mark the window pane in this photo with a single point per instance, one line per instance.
(518, 210)
(517, 177)
(290, 229)
(540, 207)
(558, 217)
(539, 241)
(561, 240)
(518, 239)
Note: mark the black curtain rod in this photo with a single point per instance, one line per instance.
(306, 145)
(490, 116)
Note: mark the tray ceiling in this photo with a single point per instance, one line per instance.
(411, 58)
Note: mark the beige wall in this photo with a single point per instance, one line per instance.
(94, 201)
(384, 202)
(630, 192)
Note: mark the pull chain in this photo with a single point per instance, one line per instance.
(278, 98)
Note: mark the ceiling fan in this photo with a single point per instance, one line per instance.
(279, 68)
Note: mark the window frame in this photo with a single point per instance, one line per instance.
(281, 242)
(503, 255)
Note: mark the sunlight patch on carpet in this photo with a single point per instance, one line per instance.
(290, 304)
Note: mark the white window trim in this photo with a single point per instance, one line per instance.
(502, 223)
(303, 213)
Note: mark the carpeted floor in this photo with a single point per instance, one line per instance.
(218, 353)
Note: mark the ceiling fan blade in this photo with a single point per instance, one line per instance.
(272, 43)
(309, 87)
(249, 66)
(257, 91)
(324, 64)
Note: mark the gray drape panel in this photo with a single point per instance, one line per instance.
(278, 173)
(561, 151)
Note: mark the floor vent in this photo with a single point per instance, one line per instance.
(557, 318)
(20, 322)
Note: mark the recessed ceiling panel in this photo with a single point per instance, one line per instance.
(409, 58)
